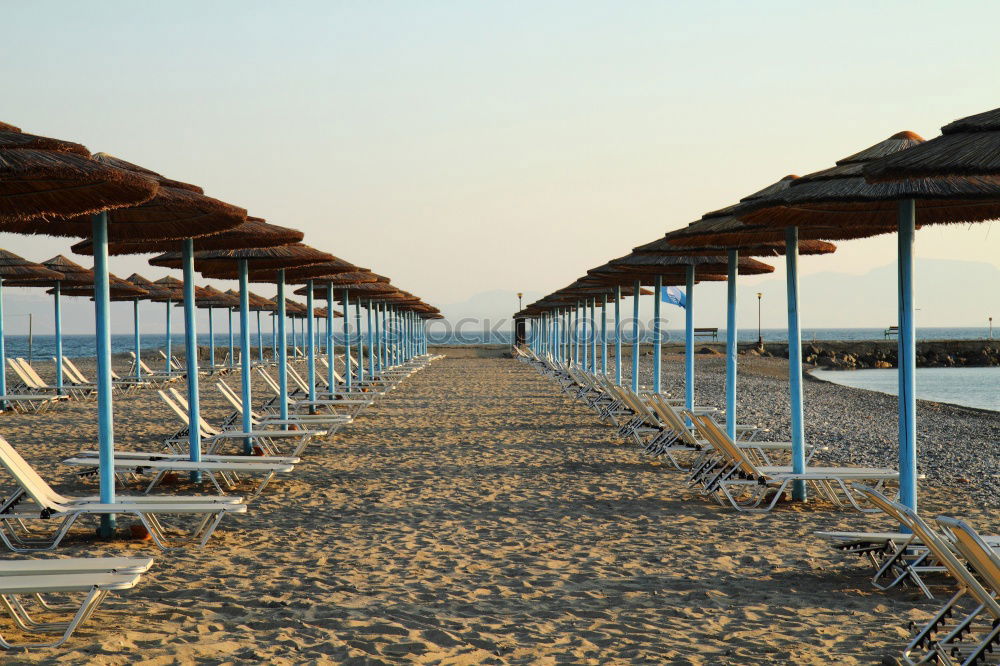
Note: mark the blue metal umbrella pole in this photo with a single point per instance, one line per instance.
(169, 368)
(657, 342)
(731, 347)
(635, 336)
(135, 326)
(105, 410)
(331, 372)
(295, 349)
(378, 339)
(593, 335)
(795, 359)
(191, 351)
(311, 339)
(618, 335)
(260, 340)
(59, 342)
(689, 340)
(604, 335)
(283, 348)
(274, 337)
(246, 423)
(907, 359)
(211, 338)
(361, 348)
(3, 354)
(232, 347)
(371, 341)
(347, 340)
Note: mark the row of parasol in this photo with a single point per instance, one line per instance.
(54, 187)
(895, 186)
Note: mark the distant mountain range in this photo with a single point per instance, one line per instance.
(947, 293)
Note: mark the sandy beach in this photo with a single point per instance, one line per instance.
(479, 516)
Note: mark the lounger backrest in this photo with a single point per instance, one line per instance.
(19, 371)
(269, 380)
(720, 441)
(30, 371)
(297, 378)
(642, 409)
(983, 559)
(673, 420)
(181, 413)
(206, 429)
(928, 536)
(27, 477)
(230, 396)
(70, 364)
(70, 372)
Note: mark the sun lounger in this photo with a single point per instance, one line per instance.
(899, 557)
(212, 439)
(55, 509)
(745, 485)
(226, 469)
(323, 425)
(94, 584)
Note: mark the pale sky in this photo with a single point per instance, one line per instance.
(463, 147)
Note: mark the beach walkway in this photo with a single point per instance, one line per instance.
(478, 516)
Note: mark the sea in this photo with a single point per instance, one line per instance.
(971, 387)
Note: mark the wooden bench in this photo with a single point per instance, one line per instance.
(707, 333)
(891, 331)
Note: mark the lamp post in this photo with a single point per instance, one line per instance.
(760, 339)
(519, 295)
(991, 328)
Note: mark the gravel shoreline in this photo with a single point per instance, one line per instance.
(957, 446)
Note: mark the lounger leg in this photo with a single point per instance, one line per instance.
(93, 600)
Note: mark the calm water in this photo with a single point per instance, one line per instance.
(972, 387)
(77, 346)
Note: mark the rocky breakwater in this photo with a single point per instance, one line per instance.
(855, 355)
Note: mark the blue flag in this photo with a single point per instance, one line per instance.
(674, 296)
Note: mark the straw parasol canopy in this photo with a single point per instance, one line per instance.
(214, 298)
(254, 232)
(303, 275)
(13, 138)
(671, 268)
(36, 185)
(177, 211)
(839, 198)
(356, 289)
(724, 229)
(717, 224)
(321, 313)
(969, 146)
(167, 289)
(257, 303)
(222, 264)
(19, 269)
(121, 290)
(337, 267)
(72, 274)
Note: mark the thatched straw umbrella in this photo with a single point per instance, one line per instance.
(841, 198)
(235, 264)
(42, 177)
(13, 267)
(969, 146)
(72, 274)
(711, 224)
